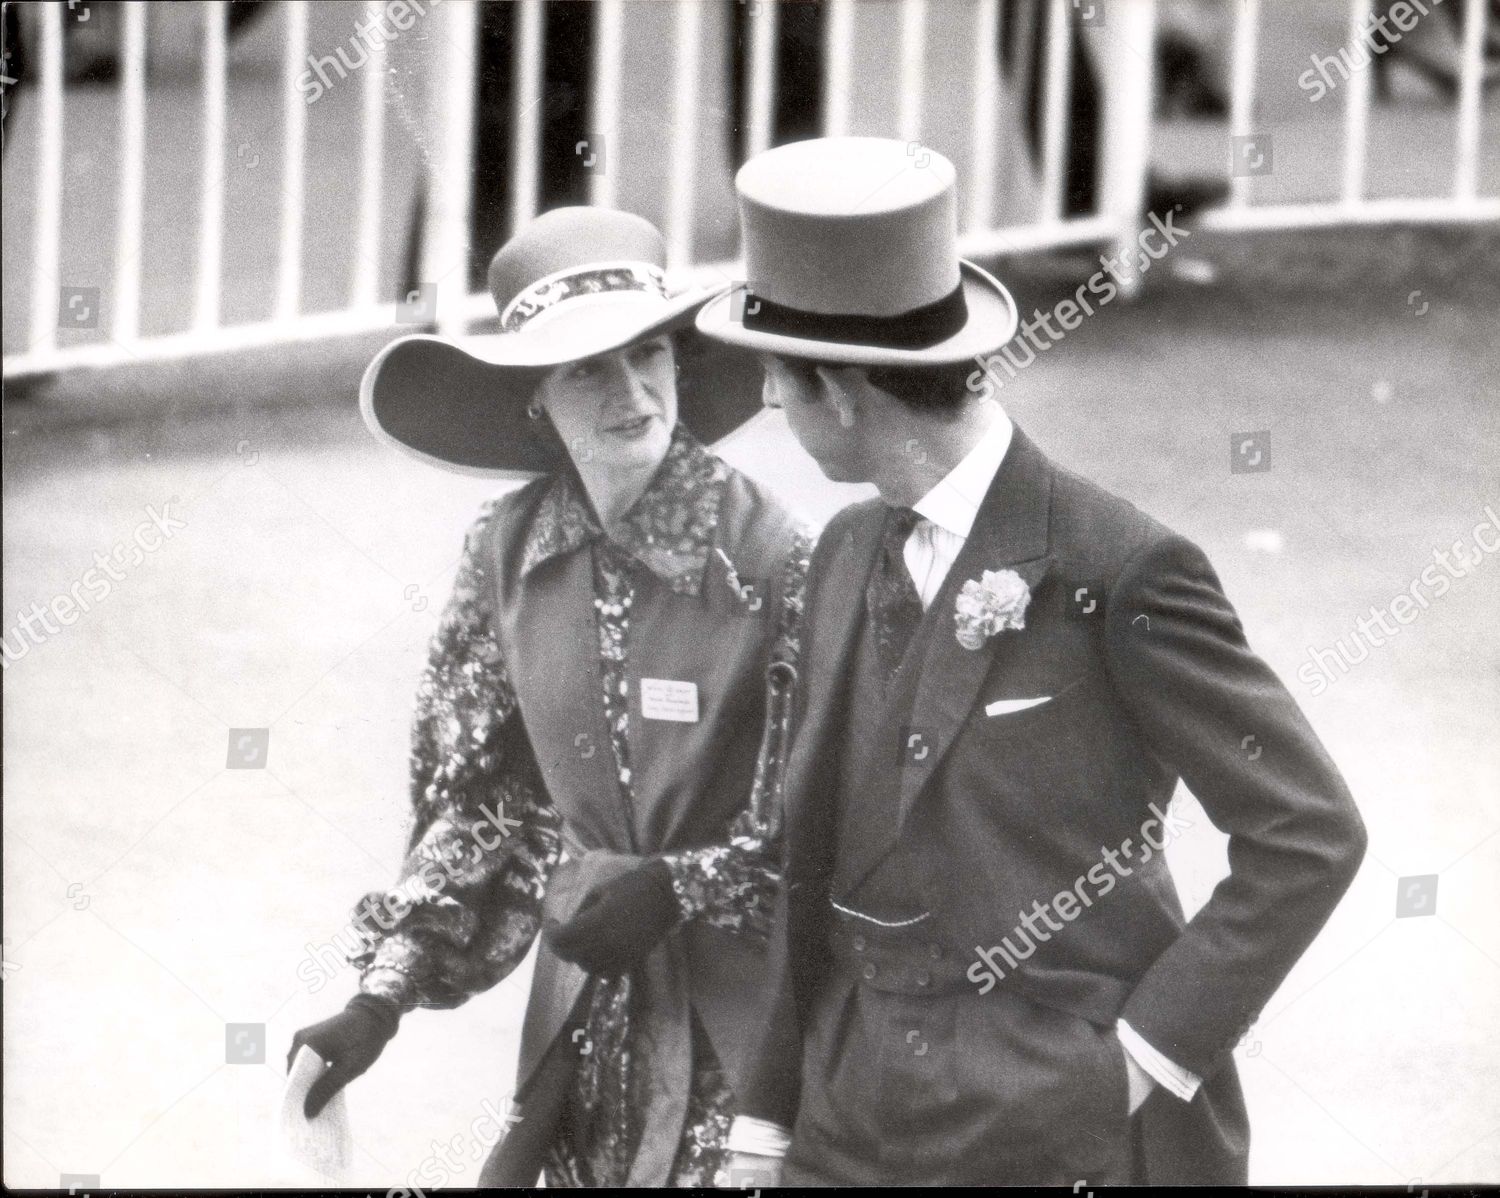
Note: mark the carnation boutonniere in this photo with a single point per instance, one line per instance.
(994, 603)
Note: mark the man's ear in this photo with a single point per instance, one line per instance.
(847, 389)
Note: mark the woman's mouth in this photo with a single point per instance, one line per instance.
(631, 429)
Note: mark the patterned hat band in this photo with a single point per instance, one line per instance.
(592, 280)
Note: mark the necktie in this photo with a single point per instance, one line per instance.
(894, 605)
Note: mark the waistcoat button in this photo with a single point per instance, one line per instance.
(869, 972)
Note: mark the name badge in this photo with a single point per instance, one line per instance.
(666, 699)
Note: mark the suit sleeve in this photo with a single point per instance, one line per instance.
(484, 836)
(774, 1089)
(1199, 695)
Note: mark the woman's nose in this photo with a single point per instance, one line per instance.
(631, 388)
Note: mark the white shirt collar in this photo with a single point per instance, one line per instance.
(954, 502)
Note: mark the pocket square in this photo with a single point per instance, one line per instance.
(1010, 706)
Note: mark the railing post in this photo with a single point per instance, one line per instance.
(838, 66)
(609, 62)
(1357, 106)
(293, 167)
(1242, 89)
(913, 69)
(1056, 74)
(365, 288)
(688, 35)
(986, 125)
(47, 233)
(127, 298)
(529, 104)
(1128, 76)
(760, 82)
(211, 179)
(1466, 149)
(445, 265)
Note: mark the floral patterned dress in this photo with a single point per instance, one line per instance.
(487, 835)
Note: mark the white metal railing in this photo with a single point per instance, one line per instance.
(1126, 79)
(211, 219)
(127, 291)
(1354, 207)
(48, 236)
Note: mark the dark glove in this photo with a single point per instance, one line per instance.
(350, 1042)
(618, 923)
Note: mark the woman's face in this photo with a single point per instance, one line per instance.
(616, 409)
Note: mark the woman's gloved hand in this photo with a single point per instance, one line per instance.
(349, 1042)
(621, 921)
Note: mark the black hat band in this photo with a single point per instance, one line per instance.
(917, 328)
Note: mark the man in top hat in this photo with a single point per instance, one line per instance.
(981, 971)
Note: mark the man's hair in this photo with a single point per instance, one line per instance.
(932, 389)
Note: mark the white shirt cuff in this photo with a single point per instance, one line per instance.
(759, 1137)
(1166, 1073)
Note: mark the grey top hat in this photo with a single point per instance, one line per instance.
(851, 255)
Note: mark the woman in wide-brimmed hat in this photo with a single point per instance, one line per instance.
(587, 729)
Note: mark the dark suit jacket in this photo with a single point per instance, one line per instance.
(1014, 809)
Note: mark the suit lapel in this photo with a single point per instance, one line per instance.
(938, 684)
(553, 652)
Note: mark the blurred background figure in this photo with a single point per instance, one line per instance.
(1192, 81)
(1431, 50)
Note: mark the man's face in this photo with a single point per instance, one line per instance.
(802, 390)
(615, 409)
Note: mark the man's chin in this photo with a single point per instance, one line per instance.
(838, 472)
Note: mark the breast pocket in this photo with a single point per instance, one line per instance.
(1046, 759)
(1006, 713)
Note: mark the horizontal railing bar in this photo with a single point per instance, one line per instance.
(192, 343)
(1021, 239)
(1369, 212)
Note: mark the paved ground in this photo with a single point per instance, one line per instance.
(154, 896)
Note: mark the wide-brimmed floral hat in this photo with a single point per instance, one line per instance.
(573, 283)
